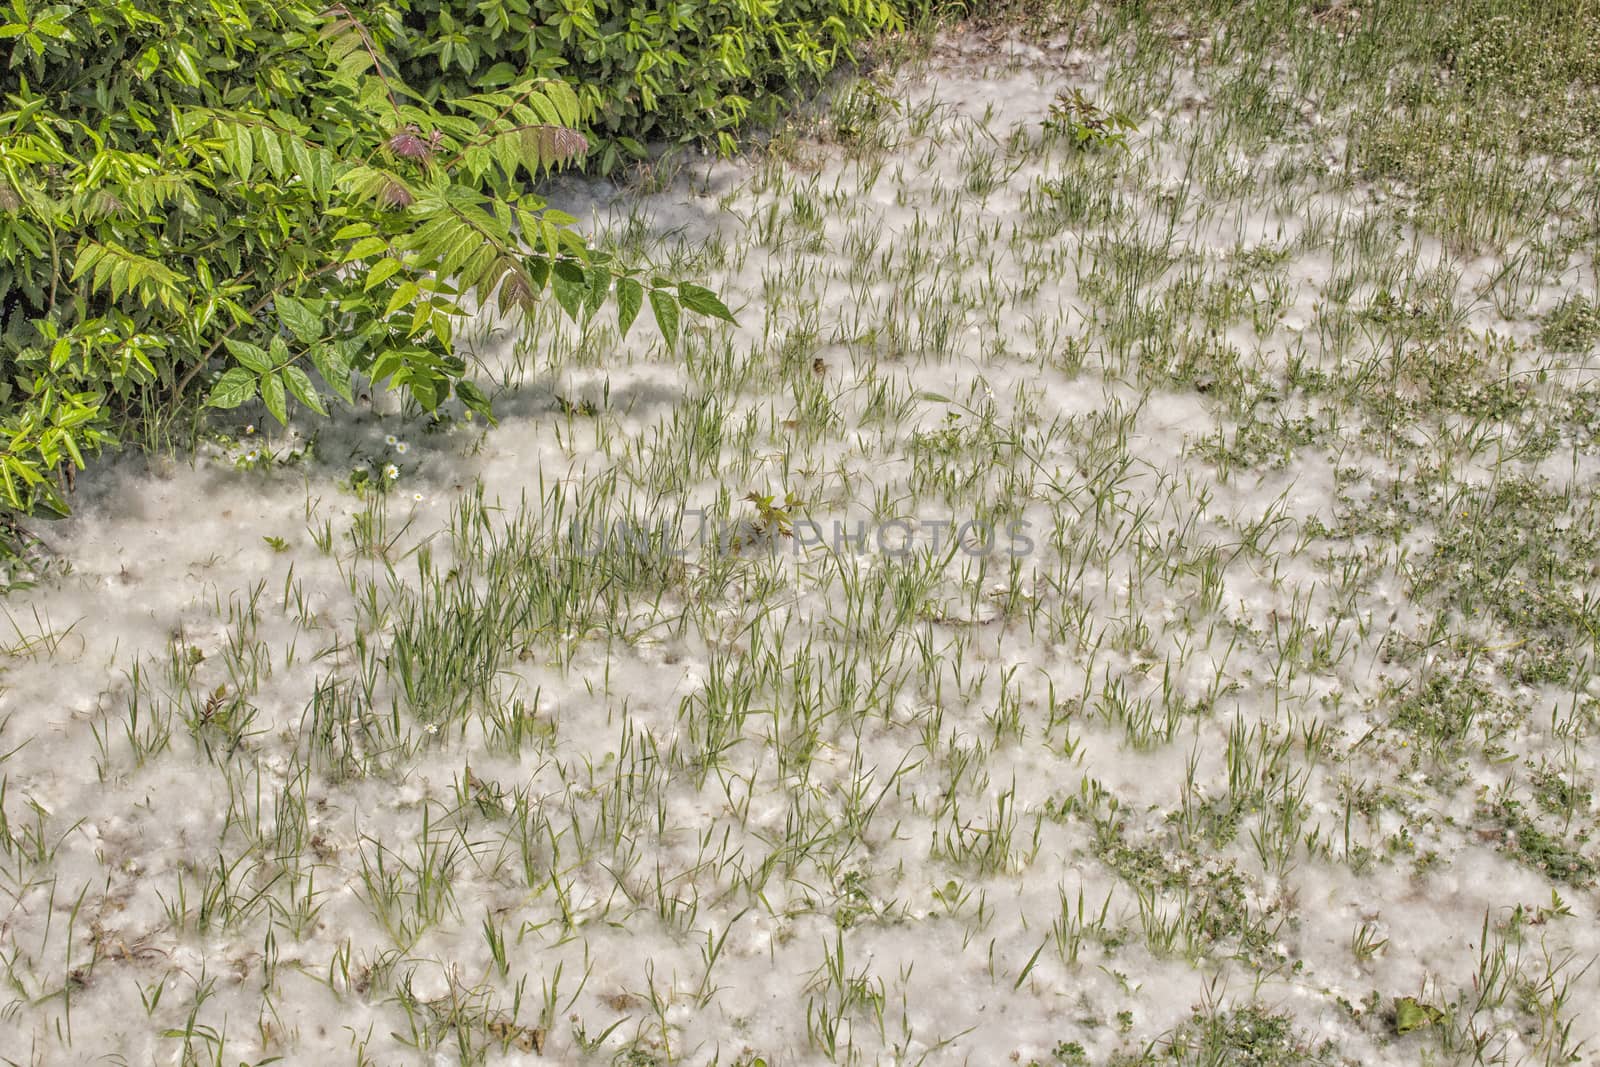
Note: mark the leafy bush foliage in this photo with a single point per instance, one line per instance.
(642, 69)
(220, 197)
(1085, 125)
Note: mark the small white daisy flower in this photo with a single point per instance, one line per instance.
(250, 429)
(391, 440)
(400, 447)
(417, 497)
(391, 472)
(251, 456)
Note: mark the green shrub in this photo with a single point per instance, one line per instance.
(1085, 125)
(210, 198)
(642, 69)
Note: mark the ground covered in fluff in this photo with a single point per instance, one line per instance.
(1127, 591)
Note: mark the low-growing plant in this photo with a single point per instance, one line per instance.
(1574, 326)
(1083, 124)
(1244, 1035)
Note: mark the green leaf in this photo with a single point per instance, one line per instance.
(570, 286)
(402, 296)
(299, 384)
(630, 298)
(1411, 1014)
(538, 272)
(185, 64)
(331, 363)
(236, 386)
(48, 502)
(703, 301)
(244, 150)
(566, 101)
(249, 356)
(599, 289)
(542, 106)
(665, 309)
(304, 322)
(424, 390)
(382, 272)
(272, 152)
(273, 396)
(475, 400)
(366, 248)
(499, 74)
(387, 363)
